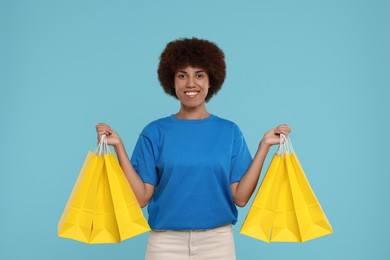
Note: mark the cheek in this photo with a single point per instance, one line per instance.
(179, 83)
(176, 91)
(207, 86)
(205, 83)
(176, 86)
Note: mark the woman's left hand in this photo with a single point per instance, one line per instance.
(272, 136)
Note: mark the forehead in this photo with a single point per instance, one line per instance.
(190, 69)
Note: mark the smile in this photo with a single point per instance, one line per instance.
(191, 94)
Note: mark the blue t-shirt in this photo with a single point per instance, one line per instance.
(191, 163)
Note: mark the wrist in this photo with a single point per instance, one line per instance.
(264, 145)
(118, 146)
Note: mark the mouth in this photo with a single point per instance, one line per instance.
(191, 94)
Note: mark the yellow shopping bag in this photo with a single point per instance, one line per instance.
(293, 213)
(312, 220)
(77, 217)
(102, 204)
(129, 218)
(259, 222)
(105, 228)
(285, 224)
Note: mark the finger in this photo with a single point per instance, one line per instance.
(103, 132)
(103, 125)
(278, 130)
(284, 128)
(100, 125)
(104, 128)
(283, 125)
(100, 133)
(282, 131)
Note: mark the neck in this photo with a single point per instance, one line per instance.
(189, 114)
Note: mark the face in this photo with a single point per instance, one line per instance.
(191, 86)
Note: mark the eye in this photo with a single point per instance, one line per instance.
(200, 75)
(181, 76)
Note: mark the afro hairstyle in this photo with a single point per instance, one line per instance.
(192, 52)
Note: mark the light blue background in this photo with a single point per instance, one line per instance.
(321, 66)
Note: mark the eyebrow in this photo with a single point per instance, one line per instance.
(197, 71)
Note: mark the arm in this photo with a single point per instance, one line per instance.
(142, 191)
(243, 190)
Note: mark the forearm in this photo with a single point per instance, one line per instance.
(136, 183)
(245, 188)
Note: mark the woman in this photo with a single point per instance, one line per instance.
(192, 168)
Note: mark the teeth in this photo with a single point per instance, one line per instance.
(191, 93)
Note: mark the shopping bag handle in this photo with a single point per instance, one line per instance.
(102, 147)
(285, 146)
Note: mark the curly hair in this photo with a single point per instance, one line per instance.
(192, 52)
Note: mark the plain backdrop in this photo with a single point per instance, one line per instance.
(323, 67)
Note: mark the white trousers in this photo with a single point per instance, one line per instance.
(215, 244)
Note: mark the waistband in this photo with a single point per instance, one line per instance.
(222, 228)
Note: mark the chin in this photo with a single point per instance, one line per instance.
(193, 105)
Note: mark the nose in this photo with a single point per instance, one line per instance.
(191, 82)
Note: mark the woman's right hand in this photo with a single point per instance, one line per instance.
(112, 137)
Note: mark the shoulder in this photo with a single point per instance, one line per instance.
(158, 122)
(154, 128)
(228, 124)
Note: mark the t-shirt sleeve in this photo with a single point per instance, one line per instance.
(143, 159)
(241, 157)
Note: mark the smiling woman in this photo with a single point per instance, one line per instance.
(197, 53)
(192, 168)
(191, 88)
